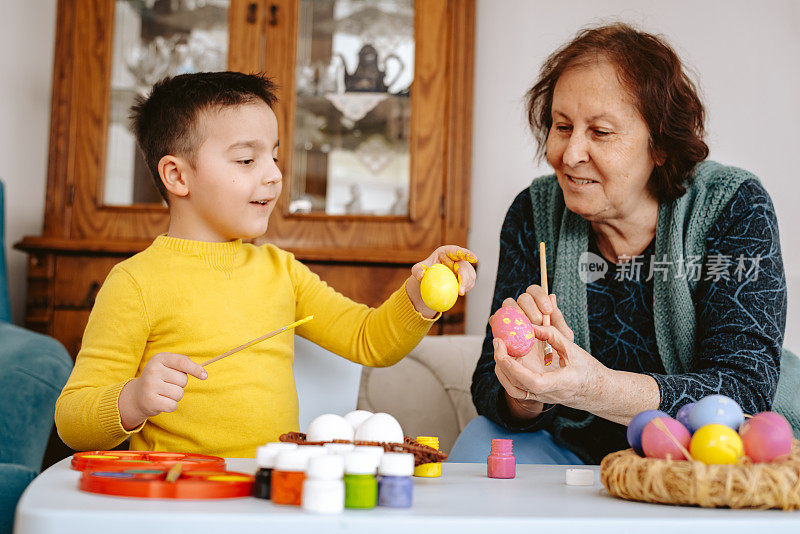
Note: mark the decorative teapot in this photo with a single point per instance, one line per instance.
(368, 76)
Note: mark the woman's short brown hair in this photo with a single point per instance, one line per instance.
(664, 95)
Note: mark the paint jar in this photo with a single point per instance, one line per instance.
(360, 486)
(265, 459)
(323, 489)
(375, 451)
(433, 469)
(501, 462)
(395, 487)
(288, 476)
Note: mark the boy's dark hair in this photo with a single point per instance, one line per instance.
(166, 121)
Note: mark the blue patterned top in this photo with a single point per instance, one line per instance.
(740, 305)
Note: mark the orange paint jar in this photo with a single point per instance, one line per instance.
(288, 476)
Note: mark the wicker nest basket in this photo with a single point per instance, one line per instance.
(422, 453)
(747, 485)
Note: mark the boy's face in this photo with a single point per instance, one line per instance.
(235, 182)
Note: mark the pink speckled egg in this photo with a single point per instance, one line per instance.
(766, 436)
(510, 324)
(656, 443)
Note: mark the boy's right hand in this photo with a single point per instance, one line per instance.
(158, 389)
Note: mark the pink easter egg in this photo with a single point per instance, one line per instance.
(511, 325)
(656, 443)
(766, 436)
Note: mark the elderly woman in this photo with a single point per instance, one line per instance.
(667, 267)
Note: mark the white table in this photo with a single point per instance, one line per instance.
(462, 500)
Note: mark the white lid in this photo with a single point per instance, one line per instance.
(580, 477)
(292, 460)
(360, 463)
(313, 450)
(397, 464)
(265, 456)
(374, 450)
(338, 448)
(328, 467)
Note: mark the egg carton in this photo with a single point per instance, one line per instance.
(423, 454)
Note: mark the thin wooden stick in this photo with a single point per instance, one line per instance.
(548, 350)
(258, 340)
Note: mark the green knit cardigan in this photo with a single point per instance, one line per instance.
(680, 233)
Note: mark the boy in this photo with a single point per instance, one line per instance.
(211, 143)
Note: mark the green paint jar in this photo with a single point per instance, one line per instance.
(360, 484)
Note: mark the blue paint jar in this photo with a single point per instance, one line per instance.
(395, 486)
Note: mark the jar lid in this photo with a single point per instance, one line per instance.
(292, 460)
(265, 456)
(397, 464)
(338, 448)
(430, 441)
(328, 467)
(360, 463)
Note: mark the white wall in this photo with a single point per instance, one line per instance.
(27, 41)
(747, 58)
(746, 55)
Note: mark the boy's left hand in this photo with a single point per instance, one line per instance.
(457, 259)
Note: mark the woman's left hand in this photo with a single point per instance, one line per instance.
(578, 385)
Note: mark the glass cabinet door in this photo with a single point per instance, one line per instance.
(354, 69)
(153, 39)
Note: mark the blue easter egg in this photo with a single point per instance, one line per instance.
(716, 409)
(683, 416)
(636, 426)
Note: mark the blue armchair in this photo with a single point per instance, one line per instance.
(33, 369)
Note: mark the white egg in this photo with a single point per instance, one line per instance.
(356, 417)
(380, 427)
(328, 427)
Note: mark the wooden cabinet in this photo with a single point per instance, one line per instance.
(88, 226)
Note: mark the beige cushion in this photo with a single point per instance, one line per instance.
(428, 390)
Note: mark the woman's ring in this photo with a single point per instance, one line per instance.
(528, 395)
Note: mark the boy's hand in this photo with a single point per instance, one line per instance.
(158, 389)
(457, 259)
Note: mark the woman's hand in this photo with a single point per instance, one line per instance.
(576, 385)
(536, 303)
(584, 384)
(457, 259)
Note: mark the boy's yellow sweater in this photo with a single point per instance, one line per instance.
(202, 299)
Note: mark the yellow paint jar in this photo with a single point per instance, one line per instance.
(431, 470)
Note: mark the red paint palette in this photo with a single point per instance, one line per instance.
(150, 483)
(122, 460)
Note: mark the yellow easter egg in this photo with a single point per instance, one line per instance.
(439, 288)
(716, 444)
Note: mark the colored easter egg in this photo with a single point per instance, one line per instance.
(636, 426)
(716, 409)
(439, 288)
(716, 444)
(510, 324)
(683, 416)
(659, 443)
(766, 436)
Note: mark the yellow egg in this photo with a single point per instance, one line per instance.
(716, 444)
(439, 288)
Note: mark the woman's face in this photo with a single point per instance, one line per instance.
(599, 144)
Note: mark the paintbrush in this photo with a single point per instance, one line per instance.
(548, 350)
(258, 340)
